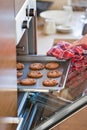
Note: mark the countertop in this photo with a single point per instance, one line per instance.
(45, 42)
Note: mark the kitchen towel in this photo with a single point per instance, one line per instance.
(77, 52)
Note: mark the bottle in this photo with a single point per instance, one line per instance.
(49, 27)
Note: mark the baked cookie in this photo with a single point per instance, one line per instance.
(54, 74)
(19, 74)
(35, 74)
(18, 81)
(36, 66)
(28, 81)
(19, 66)
(50, 82)
(51, 65)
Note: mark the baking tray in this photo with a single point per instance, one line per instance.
(64, 66)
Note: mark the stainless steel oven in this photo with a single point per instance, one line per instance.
(26, 29)
(37, 109)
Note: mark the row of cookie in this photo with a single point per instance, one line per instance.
(33, 75)
(38, 66)
(38, 74)
(31, 81)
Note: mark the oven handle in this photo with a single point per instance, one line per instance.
(20, 124)
(25, 24)
(12, 120)
(30, 13)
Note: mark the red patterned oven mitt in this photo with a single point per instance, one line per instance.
(77, 52)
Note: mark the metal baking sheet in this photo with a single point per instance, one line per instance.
(64, 66)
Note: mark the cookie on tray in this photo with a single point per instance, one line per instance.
(35, 74)
(28, 81)
(54, 74)
(18, 81)
(36, 66)
(50, 82)
(19, 66)
(51, 65)
(19, 74)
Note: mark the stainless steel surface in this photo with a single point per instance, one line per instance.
(12, 120)
(63, 67)
(19, 19)
(20, 123)
(84, 31)
(26, 29)
(84, 20)
(20, 107)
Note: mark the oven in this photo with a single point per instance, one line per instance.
(39, 108)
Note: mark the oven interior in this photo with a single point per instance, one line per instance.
(36, 108)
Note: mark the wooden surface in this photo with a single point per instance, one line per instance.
(8, 82)
(76, 122)
(67, 40)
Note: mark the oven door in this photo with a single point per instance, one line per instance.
(44, 111)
